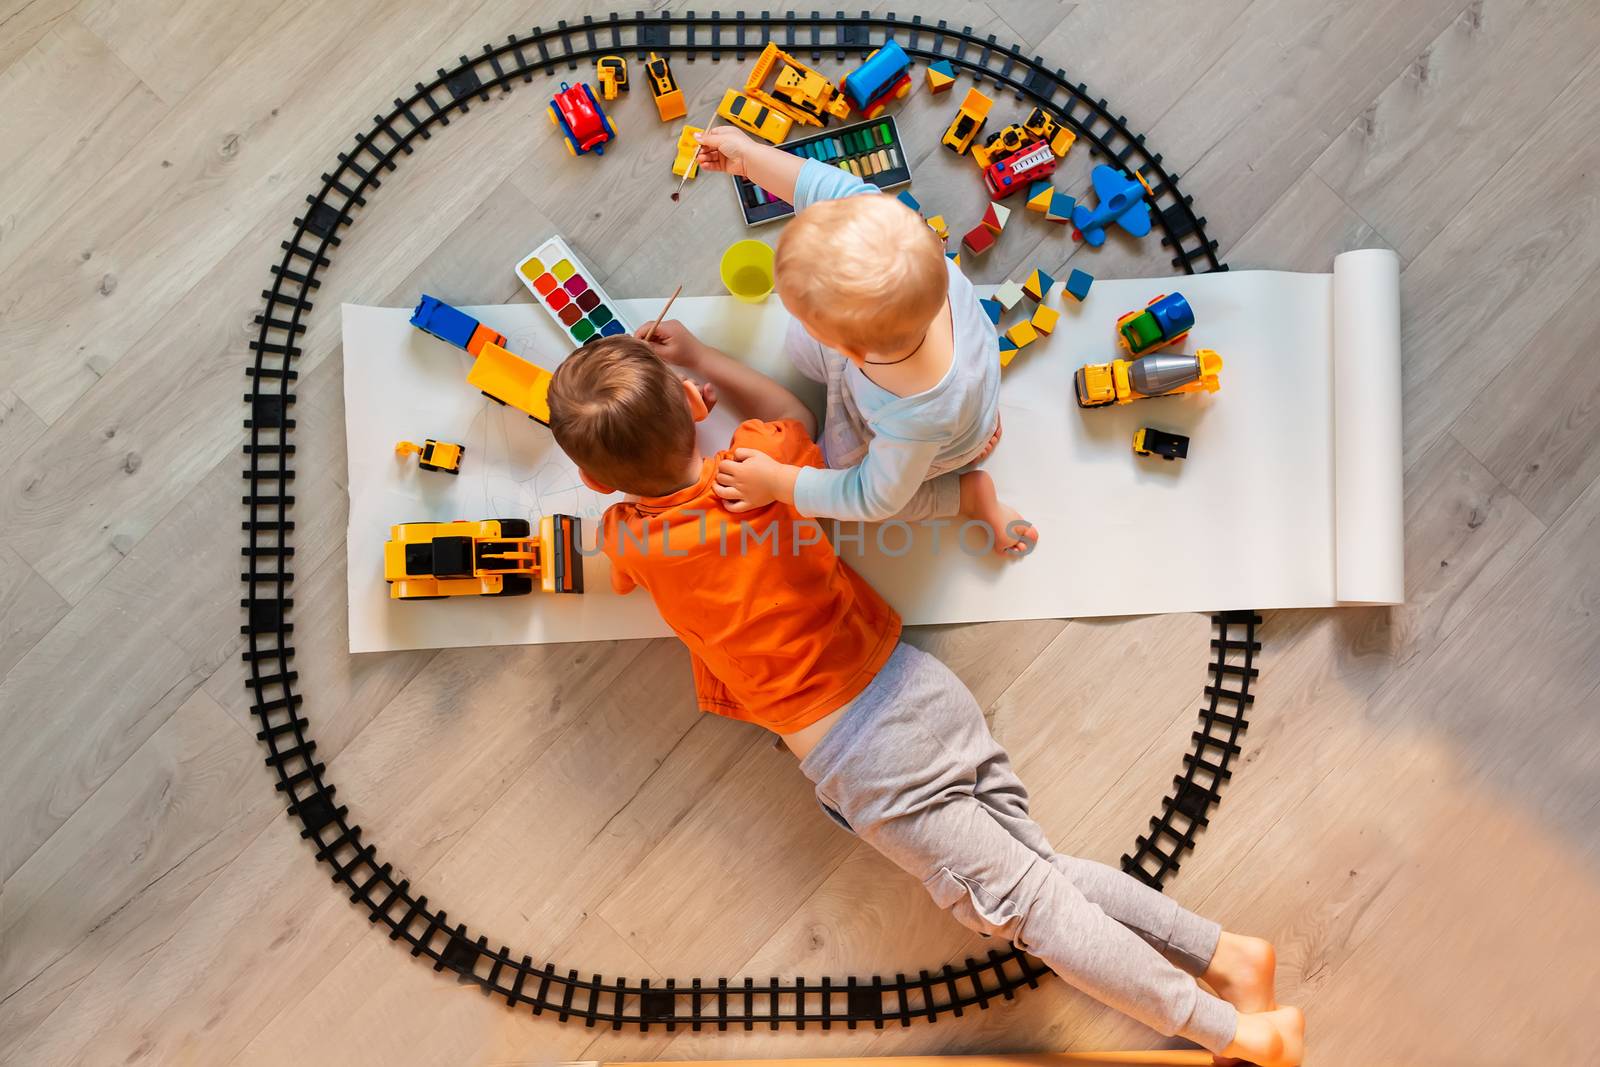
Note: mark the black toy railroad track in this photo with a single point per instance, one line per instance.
(268, 551)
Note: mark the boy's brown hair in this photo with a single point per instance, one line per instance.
(619, 412)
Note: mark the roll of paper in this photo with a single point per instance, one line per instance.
(1369, 497)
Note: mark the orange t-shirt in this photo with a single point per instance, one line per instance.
(782, 632)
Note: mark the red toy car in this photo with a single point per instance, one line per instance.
(1014, 172)
(582, 120)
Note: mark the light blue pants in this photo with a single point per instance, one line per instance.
(912, 769)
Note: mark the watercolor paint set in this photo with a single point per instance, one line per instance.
(870, 150)
(569, 292)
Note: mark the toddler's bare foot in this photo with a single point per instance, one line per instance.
(993, 442)
(1274, 1038)
(1013, 535)
(1241, 972)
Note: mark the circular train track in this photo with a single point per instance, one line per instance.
(389, 898)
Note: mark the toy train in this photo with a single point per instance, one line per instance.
(1165, 321)
(582, 120)
(491, 557)
(885, 76)
(1123, 381)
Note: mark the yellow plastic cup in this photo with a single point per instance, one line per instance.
(747, 270)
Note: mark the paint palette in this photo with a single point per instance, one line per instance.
(569, 292)
(870, 150)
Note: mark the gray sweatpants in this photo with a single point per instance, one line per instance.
(912, 769)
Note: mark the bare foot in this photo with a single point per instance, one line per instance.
(992, 443)
(1274, 1038)
(1241, 972)
(1013, 535)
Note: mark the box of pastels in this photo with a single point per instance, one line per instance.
(569, 292)
(870, 150)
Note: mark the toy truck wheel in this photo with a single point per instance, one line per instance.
(572, 149)
(515, 527)
(514, 585)
(552, 113)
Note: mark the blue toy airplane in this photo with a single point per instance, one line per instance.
(1121, 204)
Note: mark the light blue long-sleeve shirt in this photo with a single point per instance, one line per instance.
(882, 448)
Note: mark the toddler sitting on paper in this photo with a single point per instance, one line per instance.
(894, 331)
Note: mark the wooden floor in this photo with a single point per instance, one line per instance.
(1414, 820)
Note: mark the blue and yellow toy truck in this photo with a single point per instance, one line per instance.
(1165, 321)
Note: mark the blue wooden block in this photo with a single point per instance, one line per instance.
(909, 201)
(1078, 283)
(991, 308)
(435, 317)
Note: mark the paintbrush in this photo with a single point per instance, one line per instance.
(689, 170)
(651, 335)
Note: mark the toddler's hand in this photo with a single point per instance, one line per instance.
(753, 479)
(725, 148)
(673, 342)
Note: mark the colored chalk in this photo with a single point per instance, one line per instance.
(866, 150)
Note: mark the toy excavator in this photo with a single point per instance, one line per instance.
(1122, 381)
(492, 557)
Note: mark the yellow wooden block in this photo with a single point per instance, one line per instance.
(1045, 318)
(1022, 334)
(939, 226)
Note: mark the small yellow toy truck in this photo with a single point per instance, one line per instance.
(612, 74)
(686, 165)
(968, 121)
(1122, 381)
(442, 456)
(491, 557)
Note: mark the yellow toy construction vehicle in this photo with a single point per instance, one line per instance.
(433, 455)
(1046, 127)
(687, 165)
(798, 91)
(510, 379)
(1123, 381)
(664, 88)
(612, 74)
(1001, 143)
(491, 557)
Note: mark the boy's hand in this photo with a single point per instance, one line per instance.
(726, 148)
(673, 342)
(753, 479)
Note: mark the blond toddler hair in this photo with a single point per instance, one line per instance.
(863, 274)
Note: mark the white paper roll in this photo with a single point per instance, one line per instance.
(1369, 497)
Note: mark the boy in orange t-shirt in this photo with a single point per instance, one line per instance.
(785, 635)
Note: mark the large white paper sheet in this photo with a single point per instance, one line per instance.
(1258, 516)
